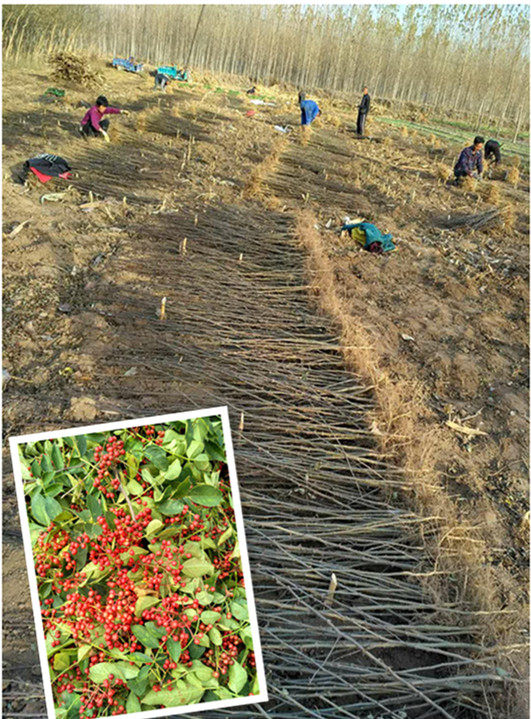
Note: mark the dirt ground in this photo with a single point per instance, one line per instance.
(438, 328)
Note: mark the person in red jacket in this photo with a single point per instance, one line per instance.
(93, 124)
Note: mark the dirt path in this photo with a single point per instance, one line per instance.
(241, 330)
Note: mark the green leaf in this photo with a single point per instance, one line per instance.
(139, 658)
(194, 448)
(196, 651)
(256, 686)
(223, 538)
(143, 603)
(132, 465)
(174, 470)
(235, 554)
(62, 661)
(36, 468)
(192, 679)
(206, 495)
(127, 670)
(209, 617)
(151, 475)
(53, 508)
(201, 671)
(197, 567)
(99, 672)
(157, 456)
(134, 488)
(83, 651)
(153, 527)
(38, 509)
(155, 630)
(237, 677)
(204, 598)
(46, 464)
(247, 637)
(215, 637)
(94, 506)
(132, 704)
(81, 443)
(171, 436)
(139, 684)
(174, 649)
(57, 457)
(240, 611)
(223, 693)
(181, 695)
(147, 638)
(182, 488)
(204, 641)
(171, 507)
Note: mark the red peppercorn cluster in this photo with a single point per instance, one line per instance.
(98, 579)
(106, 459)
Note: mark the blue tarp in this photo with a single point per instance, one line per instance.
(309, 111)
(172, 72)
(129, 64)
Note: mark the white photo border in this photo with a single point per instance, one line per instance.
(223, 412)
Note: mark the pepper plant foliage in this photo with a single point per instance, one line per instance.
(138, 568)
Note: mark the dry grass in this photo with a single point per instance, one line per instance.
(404, 131)
(508, 216)
(513, 176)
(74, 69)
(141, 120)
(515, 161)
(468, 184)
(304, 134)
(254, 187)
(444, 173)
(491, 194)
(458, 547)
(332, 119)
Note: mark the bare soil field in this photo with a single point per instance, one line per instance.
(380, 399)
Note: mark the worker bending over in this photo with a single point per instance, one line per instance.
(309, 110)
(93, 124)
(161, 80)
(470, 162)
(492, 153)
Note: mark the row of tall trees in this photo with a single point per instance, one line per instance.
(470, 58)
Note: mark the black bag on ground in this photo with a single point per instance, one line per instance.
(46, 166)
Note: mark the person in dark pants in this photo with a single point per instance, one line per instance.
(492, 152)
(470, 162)
(363, 111)
(161, 81)
(309, 110)
(93, 124)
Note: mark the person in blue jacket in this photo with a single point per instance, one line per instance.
(309, 110)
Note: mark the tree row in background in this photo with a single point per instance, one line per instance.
(464, 58)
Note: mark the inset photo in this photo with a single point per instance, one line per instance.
(138, 569)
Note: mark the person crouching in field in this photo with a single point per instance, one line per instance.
(309, 110)
(93, 124)
(161, 80)
(470, 162)
(492, 153)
